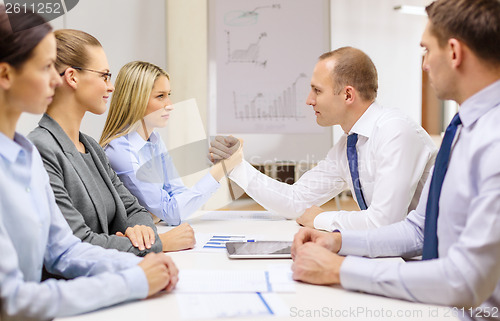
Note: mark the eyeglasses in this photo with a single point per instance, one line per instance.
(105, 75)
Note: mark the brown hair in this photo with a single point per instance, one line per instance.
(20, 33)
(353, 68)
(72, 48)
(474, 22)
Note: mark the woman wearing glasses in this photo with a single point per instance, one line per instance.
(98, 208)
(137, 153)
(33, 232)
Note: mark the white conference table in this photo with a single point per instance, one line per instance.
(328, 302)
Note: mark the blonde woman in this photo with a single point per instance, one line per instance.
(98, 208)
(137, 152)
(33, 233)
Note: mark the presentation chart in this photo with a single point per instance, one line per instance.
(263, 68)
(282, 107)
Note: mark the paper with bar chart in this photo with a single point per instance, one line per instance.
(216, 242)
(263, 68)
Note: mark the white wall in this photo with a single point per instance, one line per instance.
(392, 40)
(128, 30)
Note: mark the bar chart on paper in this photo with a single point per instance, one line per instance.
(286, 106)
(217, 242)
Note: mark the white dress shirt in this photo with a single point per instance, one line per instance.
(467, 272)
(147, 170)
(33, 232)
(395, 156)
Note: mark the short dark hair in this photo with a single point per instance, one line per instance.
(353, 68)
(20, 33)
(474, 22)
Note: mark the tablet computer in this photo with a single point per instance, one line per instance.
(259, 250)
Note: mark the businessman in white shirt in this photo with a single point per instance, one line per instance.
(383, 157)
(457, 221)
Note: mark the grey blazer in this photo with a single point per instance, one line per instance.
(77, 195)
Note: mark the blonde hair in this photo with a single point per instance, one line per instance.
(133, 87)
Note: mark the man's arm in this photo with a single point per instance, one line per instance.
(465, 276)
(400, 158)
(315, 187)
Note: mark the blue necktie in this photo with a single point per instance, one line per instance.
(352, 159)
(430, 250)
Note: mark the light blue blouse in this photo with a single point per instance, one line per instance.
(33, 232)
(147, 170)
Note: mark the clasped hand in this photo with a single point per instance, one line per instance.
(160, 271)
(315, 258)
(226, 152)
(314, 252)
(222, 147)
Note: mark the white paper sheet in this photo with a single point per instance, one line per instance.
(234, 281)
(241, 215)
(219, 281)
(280, 277)
(219, 305)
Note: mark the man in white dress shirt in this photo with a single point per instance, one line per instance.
(457, 221)
(385, 167)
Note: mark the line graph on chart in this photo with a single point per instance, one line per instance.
(240, 18)
(247, 55)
